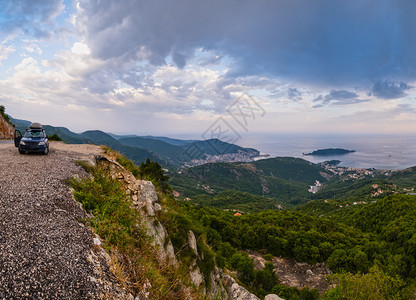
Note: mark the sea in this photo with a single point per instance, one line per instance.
(372, 151)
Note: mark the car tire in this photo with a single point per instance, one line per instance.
(22, 152)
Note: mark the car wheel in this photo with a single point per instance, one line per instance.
(21, 151)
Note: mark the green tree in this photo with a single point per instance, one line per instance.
(151, 170)
(338, 261)
(266, 279)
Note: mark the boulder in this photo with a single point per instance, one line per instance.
(236, 291)
(272, 297)
(192, 242)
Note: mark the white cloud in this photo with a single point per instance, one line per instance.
(5, 51)
(80, 48)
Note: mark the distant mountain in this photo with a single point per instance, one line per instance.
(20, 124)
(117, 136)
(166, 151)
(100, 138)
(136, 154)
(218, 147)
(171, 141)
(187, 151)
(173, 154)
(67, 135)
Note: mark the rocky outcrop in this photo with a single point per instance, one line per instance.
(195, 274)
(236, 291)
(6, 129)
(145, 200)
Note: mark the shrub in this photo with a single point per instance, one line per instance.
(55, 137)
(373, 285)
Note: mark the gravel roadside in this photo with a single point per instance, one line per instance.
(43, 245)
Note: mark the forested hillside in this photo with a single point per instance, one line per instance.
(377, 240)
(284, 180)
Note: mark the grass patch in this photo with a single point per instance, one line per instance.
(136, 262)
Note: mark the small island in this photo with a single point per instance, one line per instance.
(329, 152)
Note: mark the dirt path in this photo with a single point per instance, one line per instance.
(43, 246)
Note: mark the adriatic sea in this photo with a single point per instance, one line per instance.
(372, 151)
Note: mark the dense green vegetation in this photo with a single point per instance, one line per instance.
(378, 235)
(366, 237)
(239, 201)
(55, 137)
(374, 285)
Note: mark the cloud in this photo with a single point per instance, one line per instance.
(389, 90)
(337, 97)
(5, 51)
(294, 94)
(33, 18)
(321, 42)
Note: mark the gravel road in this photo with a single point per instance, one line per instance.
(43, 246)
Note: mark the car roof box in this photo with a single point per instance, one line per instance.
(35, 125)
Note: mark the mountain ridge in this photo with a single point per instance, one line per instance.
(169, 152)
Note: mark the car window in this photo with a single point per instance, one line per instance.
(33, 133)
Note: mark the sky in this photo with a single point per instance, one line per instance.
(210, 68)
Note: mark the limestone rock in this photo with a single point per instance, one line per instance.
(195, 275)
(216, 289)
(192, 242)
(156, 230)
(272, 297)
(236, 291)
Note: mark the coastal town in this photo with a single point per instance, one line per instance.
(354, 173)
(240, 156)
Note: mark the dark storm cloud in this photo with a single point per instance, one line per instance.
(32, 17)
(322, 42)
(337, 97)
(389, 90)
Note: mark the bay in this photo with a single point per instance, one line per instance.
(372, 151)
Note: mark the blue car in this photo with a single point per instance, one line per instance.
(33, 140)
